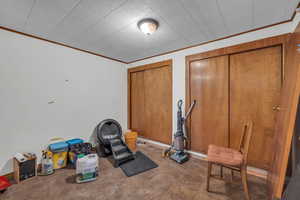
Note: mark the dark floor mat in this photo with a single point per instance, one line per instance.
(140, 164)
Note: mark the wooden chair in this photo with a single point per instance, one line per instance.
(236, 160)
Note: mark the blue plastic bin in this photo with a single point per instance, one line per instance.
(74, 141)
(58, 147)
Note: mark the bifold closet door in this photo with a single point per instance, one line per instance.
(158, 104)
(209, 87)
(255, 83)
(137, 102)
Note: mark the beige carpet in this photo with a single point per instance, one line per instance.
(169, 181)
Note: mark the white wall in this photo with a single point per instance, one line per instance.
(34, 72)
(179, 57)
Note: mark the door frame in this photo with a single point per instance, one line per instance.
(144, 68)
(280, 40)
(285, 130)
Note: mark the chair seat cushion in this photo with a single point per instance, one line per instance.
(223, 155)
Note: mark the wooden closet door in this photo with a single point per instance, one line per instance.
(209, 87)
(137, 102)
(158, 104)
(255, 82)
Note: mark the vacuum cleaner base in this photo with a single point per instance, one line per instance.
(180, 157)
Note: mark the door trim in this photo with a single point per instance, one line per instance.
(280, 40)
(144, 68)
(289, 103)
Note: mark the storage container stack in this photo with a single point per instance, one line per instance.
(78, 154)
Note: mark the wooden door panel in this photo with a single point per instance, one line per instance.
(255, 82)
(285, 121)
(158, 104)
(209, 87)
(137, 102)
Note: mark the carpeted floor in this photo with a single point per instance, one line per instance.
(168, 181)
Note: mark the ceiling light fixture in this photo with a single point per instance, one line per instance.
(148, 26)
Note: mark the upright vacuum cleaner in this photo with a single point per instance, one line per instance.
(176, 152)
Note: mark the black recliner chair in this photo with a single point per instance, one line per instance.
(110, 142)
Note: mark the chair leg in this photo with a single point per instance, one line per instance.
(232, 174)
(244, 180)
(209, 166)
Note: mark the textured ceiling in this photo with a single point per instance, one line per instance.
(108, 27)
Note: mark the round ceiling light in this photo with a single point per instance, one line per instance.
(148, 26)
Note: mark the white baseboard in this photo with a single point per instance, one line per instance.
(159, 144)
(250, 170)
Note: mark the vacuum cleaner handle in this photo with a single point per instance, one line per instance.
(190, 110)
(184, 120)
(179, 104)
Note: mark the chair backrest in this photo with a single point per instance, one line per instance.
(245, 139)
